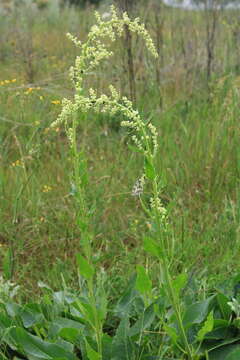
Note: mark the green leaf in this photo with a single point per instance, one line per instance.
(125, 303)
(107, 346)
(63, 323)
(122, 346)
(221, 330)
(152, 247)
(230, 352)
(37, 348)
(223, 305)
(143, 283)
(85, 269)
(149, 170)
(197, 312)
(206, 328)
(70, 334)
(92, 354)
(179, 283)
(234, 355)
(13, 309)
(31, 315)
(172, 333)
(143, 322)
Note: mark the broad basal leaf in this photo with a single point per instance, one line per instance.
(38, 348)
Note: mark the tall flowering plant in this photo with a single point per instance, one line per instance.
(143, 134)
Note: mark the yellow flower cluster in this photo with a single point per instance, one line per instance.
(18, 163)
(56, 102)
(46, 188)
(31, 89)
(7, 82)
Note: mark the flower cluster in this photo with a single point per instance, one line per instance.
(157, 206)
(56, 102)
(6, 82)
(138, 186)
(31, 89)
(8, 290)
(18, 163)
(93, 52)
(46, 188)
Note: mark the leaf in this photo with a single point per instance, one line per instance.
(152, 247)
(149, 170)
(213, 346)
(38, 348)
(124, 305)
(122, 344)
(107, 346)
(143, 283)
(65, 345)
(223, 305)
(31, 315)
(85, 269)
(179, 283)
(234, 355)
(13, 309)
(230, 352)
(172, 333)
(63, 297)
(221, 330)
(70, 334)
(206, 328)
(197, 312)
(89, 312)
(61, 323)
(144, 322)
(92, 354)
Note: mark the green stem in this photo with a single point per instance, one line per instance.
(164, 260)
(98, 325)
(82, 211)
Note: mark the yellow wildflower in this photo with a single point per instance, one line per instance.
(56, 102)
(46, 188)
(17, 163)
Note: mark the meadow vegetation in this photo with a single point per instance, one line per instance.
(121, 241)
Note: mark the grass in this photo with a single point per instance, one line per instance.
(199, 157)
